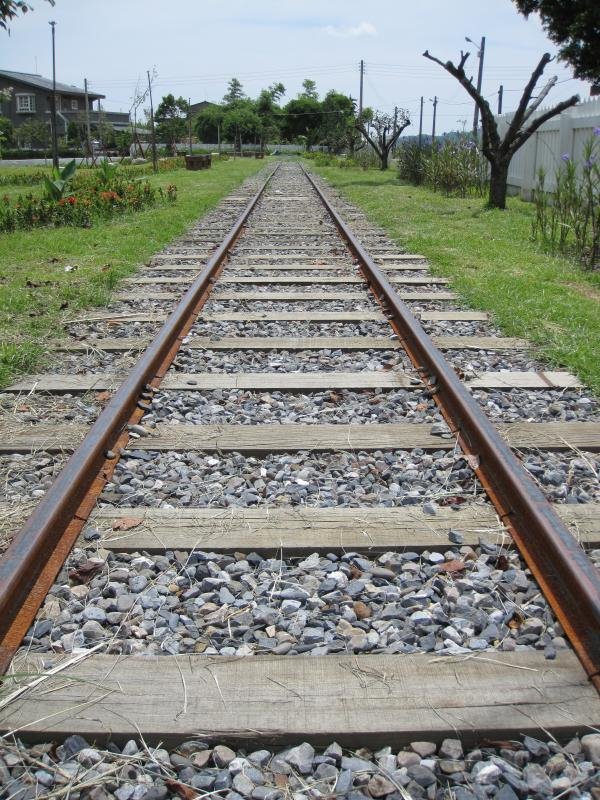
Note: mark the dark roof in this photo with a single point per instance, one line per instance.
(39, 82)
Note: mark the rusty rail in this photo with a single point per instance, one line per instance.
(37, 553)
(566, 575)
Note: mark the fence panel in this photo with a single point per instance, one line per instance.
(565, 134)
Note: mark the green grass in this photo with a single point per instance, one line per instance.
(491, 262)
(35, 290)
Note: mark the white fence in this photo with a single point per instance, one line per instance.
(564, 134)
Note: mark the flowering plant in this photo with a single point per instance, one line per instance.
(567, 220)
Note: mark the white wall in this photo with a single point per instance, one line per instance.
(566, 133)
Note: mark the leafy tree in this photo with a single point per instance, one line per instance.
(575, 27)
(9, 9)
(123, 141)
(337, 129)
(235, 92)
(302, 118)
(33, 133)
(208, 122)
(277, 90)
(499, 151)
(310, 89)
(241, 123)
(170, 119)
(270, 114)
(6, 131)
(385, 129)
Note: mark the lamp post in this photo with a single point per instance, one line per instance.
(480, 55)
(53, 105)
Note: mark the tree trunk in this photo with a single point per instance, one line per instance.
(383, 156)
(498, 181)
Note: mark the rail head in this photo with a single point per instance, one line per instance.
(564, 572)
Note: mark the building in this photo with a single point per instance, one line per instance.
(30, 98)
(196, 108)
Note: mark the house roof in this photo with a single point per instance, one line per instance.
(31, 79)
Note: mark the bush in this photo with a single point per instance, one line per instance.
(457, 168)
(24, 178)
(92, 193)
(567, 221)
(411, 162)
(18, 154)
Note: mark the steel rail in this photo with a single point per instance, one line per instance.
(567, 577)
(37, 553)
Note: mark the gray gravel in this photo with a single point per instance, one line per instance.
(250, 408)
(290, 328)
(566, 477)
(27, 477)
(387, 478)
(289, 361)
(244, 605)
(254, 306)
(525, 768)
(342, 406)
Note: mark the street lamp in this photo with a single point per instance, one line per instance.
(480, 55)
(53, 109)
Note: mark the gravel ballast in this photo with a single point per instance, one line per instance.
(524, 768)
(457, 601)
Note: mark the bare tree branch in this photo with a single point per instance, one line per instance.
(519, 115)
(484, 106)
(523, 135)
(539, 99)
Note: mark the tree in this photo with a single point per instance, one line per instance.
(33, 133)
(302, 120)
(241, 122)
(9, 9)
(6, 132)
(208, 122)
(496, 149)
(277, 90)
(387, 130)
(310, 89)
(235, 92)
(574, 27)
(269, 114)
(337, 130)
(170, 119)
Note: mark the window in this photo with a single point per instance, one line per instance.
(25, 104)
(74, 104)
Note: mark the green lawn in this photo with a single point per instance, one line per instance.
(35, 290)
(491, 262)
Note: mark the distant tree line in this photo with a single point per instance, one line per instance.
(306, 119)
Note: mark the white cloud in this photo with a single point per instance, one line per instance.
(350, 31)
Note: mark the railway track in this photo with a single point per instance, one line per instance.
(292, 523)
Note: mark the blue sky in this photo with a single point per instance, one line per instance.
(196, 45)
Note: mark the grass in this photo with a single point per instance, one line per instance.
(36, 290)
(492, 263)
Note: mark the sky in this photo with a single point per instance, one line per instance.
(193, 47)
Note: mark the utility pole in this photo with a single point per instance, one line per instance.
(88, 134)
(435, 102)
(360, 96)
(190, 124)
(55, 163)
(500, 95)
(421, 123)
(152, 131)
(480, 55)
